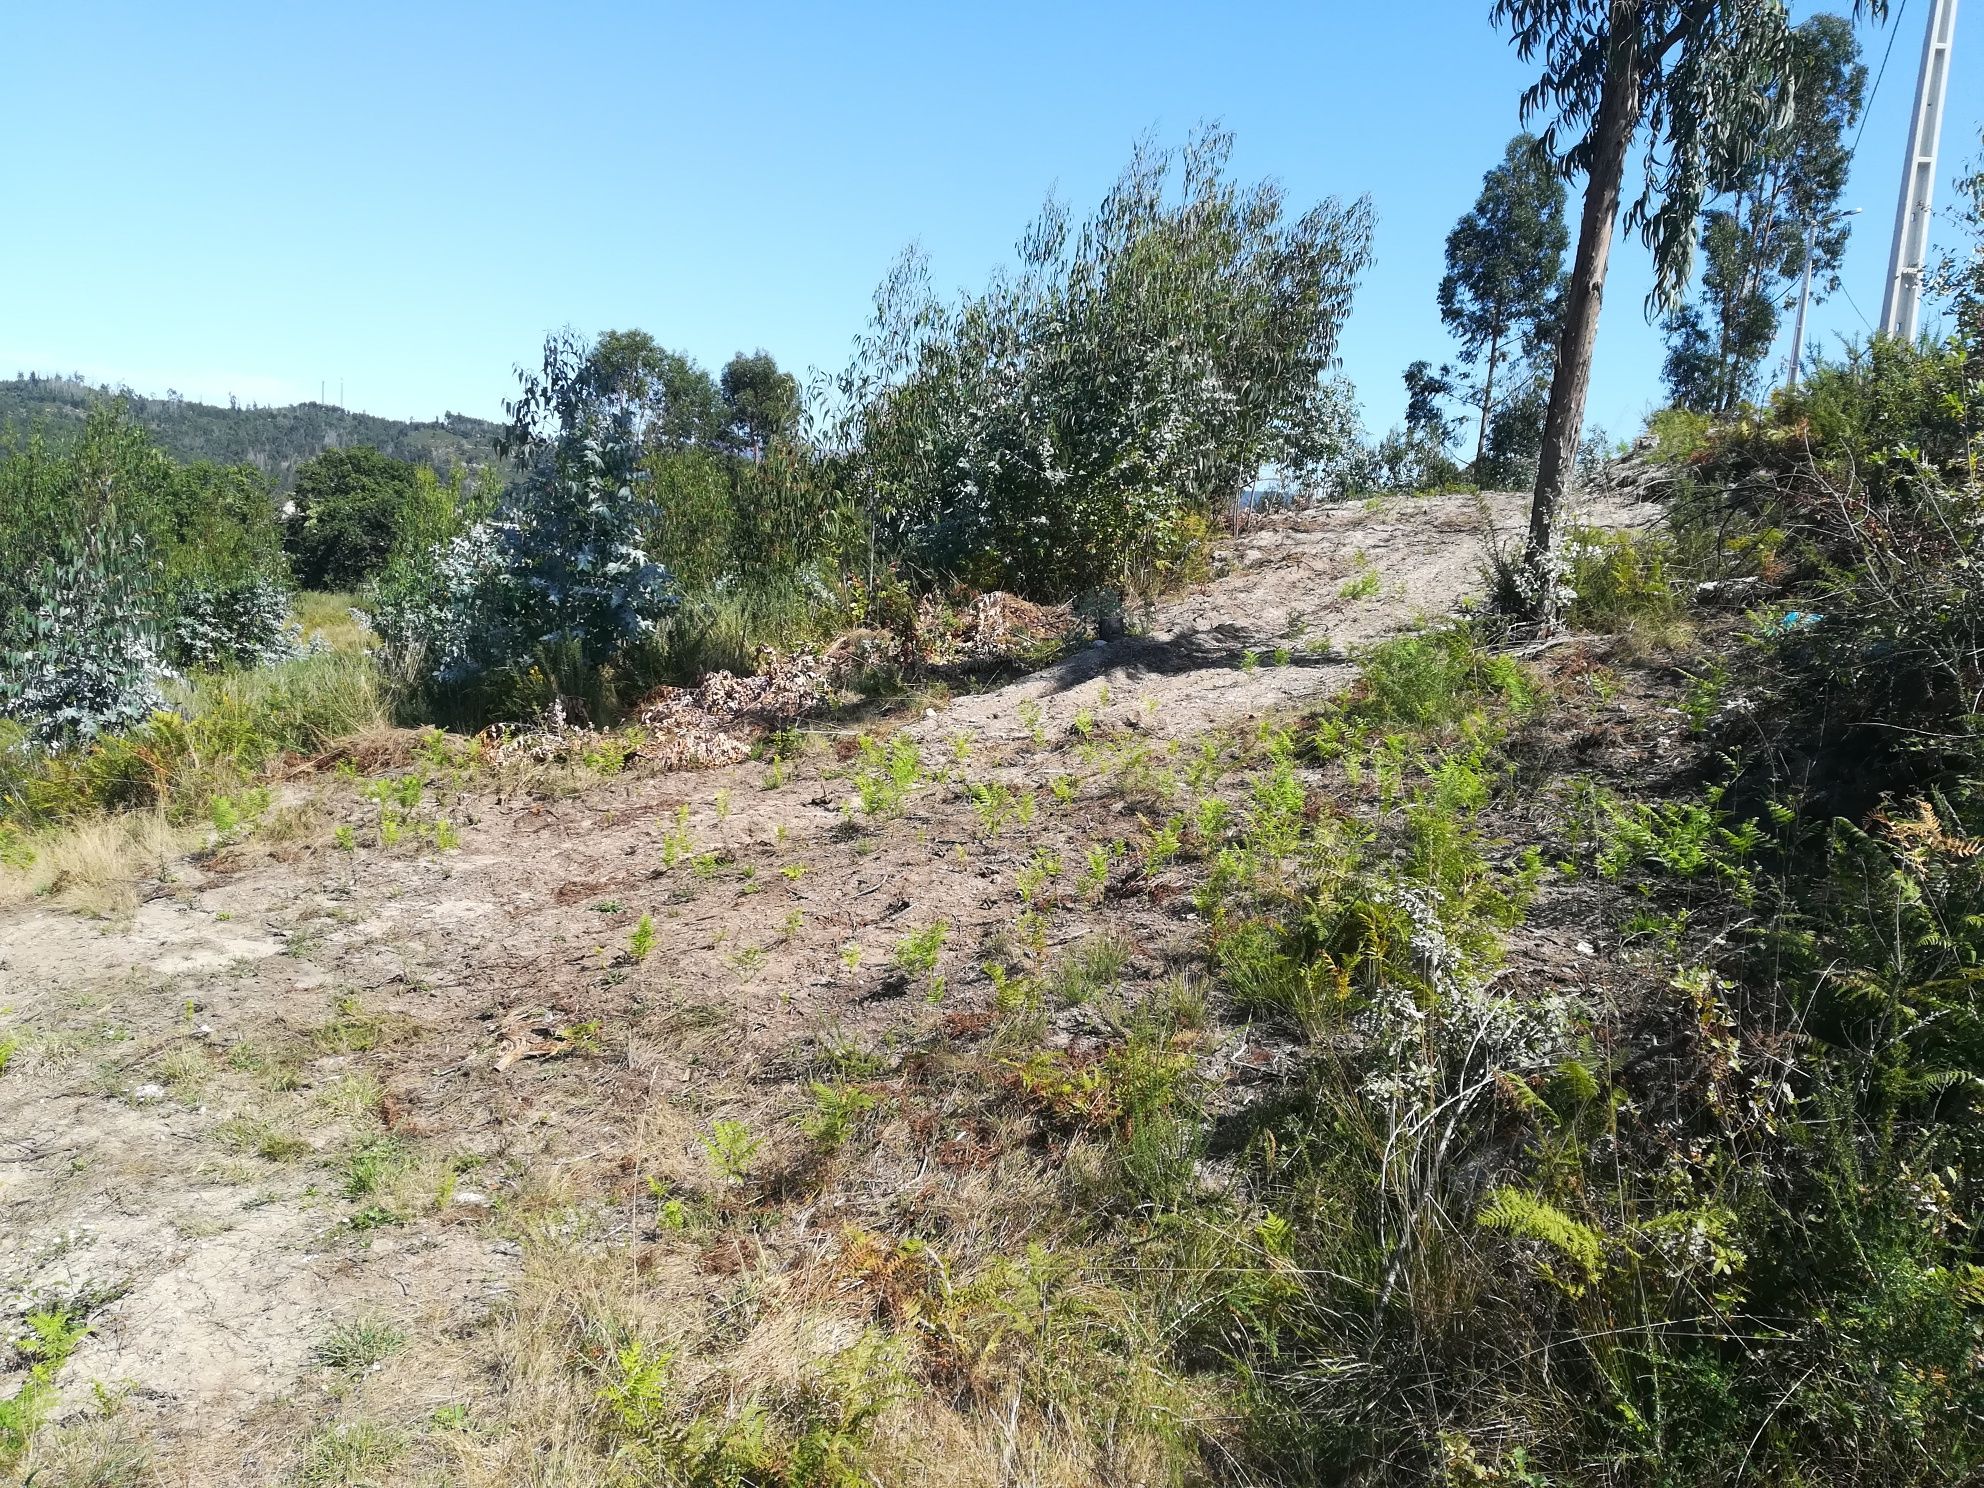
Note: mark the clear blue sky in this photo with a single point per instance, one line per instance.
(407, 196)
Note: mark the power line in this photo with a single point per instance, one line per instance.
(1856, 308)
(1867, 112)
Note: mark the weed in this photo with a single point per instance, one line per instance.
(359, 1344)
(1436, 678)
(641, 943)
(1092, 969)
(52, 1336)
(731, 1149)
(837, 1110)
(1363, 584)
(1682, 838)
(351, 1030)
(351, 1455)
(262, 1137)
(372, 1165)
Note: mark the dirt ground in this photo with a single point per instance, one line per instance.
(319, 1084)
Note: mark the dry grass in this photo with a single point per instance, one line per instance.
(95, 866)
(328, 618)
(105, 1452)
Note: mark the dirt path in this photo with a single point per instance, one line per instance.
(330, 1086)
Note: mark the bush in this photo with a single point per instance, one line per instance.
(81, 653)
(100, 596)
(559, 578)
(1050, 433)
(352, 507)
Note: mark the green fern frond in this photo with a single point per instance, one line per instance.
(1528, 1217)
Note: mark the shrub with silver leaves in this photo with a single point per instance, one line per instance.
(81, 657)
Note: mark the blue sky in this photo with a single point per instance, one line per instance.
(406, 197)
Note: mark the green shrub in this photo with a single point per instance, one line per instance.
(1435, 678)
(1054, 433)
(1620, 580)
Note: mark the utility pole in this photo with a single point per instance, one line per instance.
(1798, 324)
(1805, 298)
(1918, 176)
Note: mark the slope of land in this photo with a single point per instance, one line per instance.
(273, 440)
(384, 1151)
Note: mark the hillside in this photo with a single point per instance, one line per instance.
(272, 439)
(400, 1124)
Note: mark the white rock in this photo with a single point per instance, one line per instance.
(148, 1093)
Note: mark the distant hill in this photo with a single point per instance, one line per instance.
(274, 440)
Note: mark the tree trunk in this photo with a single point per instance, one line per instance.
(1612, 136)
(1487, 402)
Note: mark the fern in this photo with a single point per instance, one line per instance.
(1526, 1217)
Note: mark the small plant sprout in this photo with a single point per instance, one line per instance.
(676, 843)
(850, 956)
(723, 805)
(641, 942)
(730, 1148)
(1041, 868)
(1030, 720)
(916, 956)
(792, 872)
(837, 1109)
(886, 774)
(961, 746)
(1249, 660)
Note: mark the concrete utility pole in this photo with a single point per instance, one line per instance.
(1918, 177)
(1805, 298)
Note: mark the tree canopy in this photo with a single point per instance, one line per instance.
(350, 507)
(1505, 271)
(1753, 240)
(1693, 82)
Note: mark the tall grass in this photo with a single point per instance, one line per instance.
(223, 733)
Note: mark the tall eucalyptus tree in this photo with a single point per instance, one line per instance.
(1695, 83)
(1505, 272)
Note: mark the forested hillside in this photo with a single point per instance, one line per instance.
(274, 440)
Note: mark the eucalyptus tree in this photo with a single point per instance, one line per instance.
(1062, 428)
(674, 403)
(1505, 273)
(762, 403)
(1754, 240)
(1695, 83)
